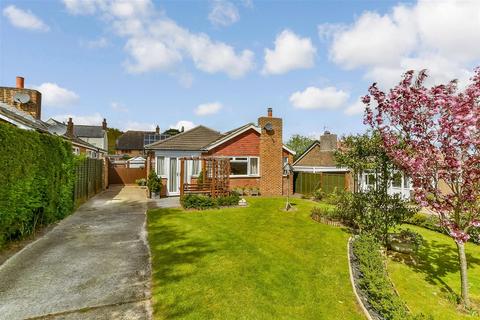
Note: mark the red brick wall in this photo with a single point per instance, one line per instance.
(271, 167)
(244, 182)
(245, 144)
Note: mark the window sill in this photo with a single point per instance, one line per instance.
(244, 176)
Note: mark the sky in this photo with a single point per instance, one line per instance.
(220, 63)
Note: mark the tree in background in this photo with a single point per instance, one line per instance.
(364, 152)
(433, 135)
(299, 144)
(113, 134)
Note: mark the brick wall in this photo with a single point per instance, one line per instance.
(317, 157)
(245, 144)
(34, 106)
(271, 168)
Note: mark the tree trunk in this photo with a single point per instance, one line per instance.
(463, 273)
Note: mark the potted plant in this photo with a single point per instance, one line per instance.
(154, 185)
(254, 191)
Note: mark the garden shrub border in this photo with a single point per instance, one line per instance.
(205, 202)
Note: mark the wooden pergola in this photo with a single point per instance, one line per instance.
(215, 177)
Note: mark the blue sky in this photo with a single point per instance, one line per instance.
(222, 63)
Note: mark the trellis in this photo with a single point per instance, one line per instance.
(215, 177)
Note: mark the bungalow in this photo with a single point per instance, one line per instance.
(256, 152)
(319, 159)
(132, 142)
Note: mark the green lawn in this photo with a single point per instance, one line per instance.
(249, 263)
(430, 286)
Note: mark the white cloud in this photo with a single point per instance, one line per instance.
(355, 108)
(327, 30)
(208, 108)
(441, 36)
(98, 43)
(93, 119)
(319, 98)
(156, 43)
(291, 52)
(223, 13)
(185, 124)
(118, 107)
(140, 126)
(55, 96)
(24, 19)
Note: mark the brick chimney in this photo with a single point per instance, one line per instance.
(20, 83)
(104, 124)
(69, 132)
(271, 148)
(328, 141)
(157, 130)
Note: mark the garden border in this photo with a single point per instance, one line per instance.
(360, 301)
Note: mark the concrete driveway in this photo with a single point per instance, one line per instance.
(94, 265)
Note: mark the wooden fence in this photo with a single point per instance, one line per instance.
(120, 173)
(89, 179)
(306, 182)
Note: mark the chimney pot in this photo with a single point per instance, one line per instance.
(270, 112)
(20, 83)
(157, 130)
(104, 124)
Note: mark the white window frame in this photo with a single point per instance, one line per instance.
(164, 174)
(196, 174)
(247, 161)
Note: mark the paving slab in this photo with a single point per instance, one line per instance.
(94, 265)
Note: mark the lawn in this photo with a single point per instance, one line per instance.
(249, 263)
(431, 285)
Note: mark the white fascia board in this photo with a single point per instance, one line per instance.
(319, 169)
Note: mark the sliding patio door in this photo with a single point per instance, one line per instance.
(173, 177)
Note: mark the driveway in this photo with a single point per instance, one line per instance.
(94, 265)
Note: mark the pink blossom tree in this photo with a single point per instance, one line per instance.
(433, 135)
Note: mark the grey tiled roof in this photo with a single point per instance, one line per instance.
(192, 140)
(134, 140)
(84, 131)
(22, 117)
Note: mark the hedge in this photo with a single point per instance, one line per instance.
(36, 179)
(202, 202)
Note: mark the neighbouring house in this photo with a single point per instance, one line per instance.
(132, 143)
(319, 160)
(79, 146)
(22, 108)
(96, 135)
(316, 167)
(256, 152)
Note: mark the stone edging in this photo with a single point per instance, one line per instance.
(354, 287)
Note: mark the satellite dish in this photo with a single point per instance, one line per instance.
(21, 97)
(268, 127)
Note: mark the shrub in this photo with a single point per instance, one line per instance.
(334, 197)
(202, 202)
(373, 212)
(141, 182)
(375, 283)
(37, 178)
(154, 183)
(318, 194)
(327, 213)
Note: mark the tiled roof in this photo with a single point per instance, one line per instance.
(22, 117)
(135, 140)
(192, 140)
(88, 131)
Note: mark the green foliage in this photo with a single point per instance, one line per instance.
(200, 178)
(113, 134)
(327, 213)
(141, 182)
(375, 283)
(374, 212)
(334, 197)
(202, 202)
(412, 237)
(365, 152)
(318, 194)
(154, 183)
(299, 144)
(37, 179)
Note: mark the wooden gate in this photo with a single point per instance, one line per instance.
(120, 173)
(306, 182)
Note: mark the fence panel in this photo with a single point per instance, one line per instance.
(307, 182)
(88, 180)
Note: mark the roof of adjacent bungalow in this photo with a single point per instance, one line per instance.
(21, 118)
(135, 140)
(202, 138)
(86, 131)
(60, 128)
